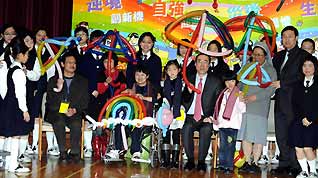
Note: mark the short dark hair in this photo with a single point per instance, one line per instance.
(80, 28)
(178, 46)
(312, 59)
(142, 68)
(142, 36)
(310, 41)
(67, 54)
(6, 26)
(202, 54)
(217, 43)
(292, 28)
(230, 75)
(18, 46)
(96, 34)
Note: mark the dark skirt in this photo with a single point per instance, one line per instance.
(301, 136)
(12, 122)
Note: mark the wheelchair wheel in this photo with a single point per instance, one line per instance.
(154, 158)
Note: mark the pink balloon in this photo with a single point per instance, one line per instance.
(166, 117)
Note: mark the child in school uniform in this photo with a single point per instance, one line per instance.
(227, 119)
(172, 93)
(14, 114)
(147, 58)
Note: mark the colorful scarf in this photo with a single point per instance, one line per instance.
(229, 104)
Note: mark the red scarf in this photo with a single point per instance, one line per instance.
(229, 104)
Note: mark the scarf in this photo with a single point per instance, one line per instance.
(229, 104)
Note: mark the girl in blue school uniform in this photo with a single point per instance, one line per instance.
(148, 58)
(172, 90)
(15, 117)
(90, 66)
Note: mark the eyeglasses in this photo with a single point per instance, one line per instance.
(9, 34)
(258, 55)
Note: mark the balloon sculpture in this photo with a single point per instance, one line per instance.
(54, 54)
(252, 22)
(164, 118)
(239, 159)
(197, 38)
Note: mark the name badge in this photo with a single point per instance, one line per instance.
(63, 107)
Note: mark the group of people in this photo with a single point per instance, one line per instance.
(224, 105)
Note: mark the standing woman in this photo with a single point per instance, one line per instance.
(303, 130)
(253, 132)
(15, 116)
(148, 59)
(8, 32)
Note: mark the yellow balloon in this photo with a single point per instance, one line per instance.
(239, 159)
(182, 116)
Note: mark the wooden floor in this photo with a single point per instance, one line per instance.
(51, 168)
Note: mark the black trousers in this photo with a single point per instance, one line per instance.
(175, 137)
(287, 155)
(205, 133)
(75, 126)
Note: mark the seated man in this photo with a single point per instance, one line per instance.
(65, 107)
(199, 109)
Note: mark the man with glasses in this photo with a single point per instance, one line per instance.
(199, 108)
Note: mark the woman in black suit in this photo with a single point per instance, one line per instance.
(303, 130)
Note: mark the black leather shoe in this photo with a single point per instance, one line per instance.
(189, 166)
(294, 171)
(63, 156)
(279, 170)
(201, 167)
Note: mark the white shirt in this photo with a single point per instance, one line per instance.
(310, 79)
(197, 80)
(3, 78)
(236, 116)
(19, 81)
(79, 48)
(35, 73)
(148, 54)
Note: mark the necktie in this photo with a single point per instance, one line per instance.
(81, 52)
(144, 57)
(307, 83)
(285, 60)
(213, 64)
(197, 107)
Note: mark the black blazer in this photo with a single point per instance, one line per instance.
(211, 91)
(78, 98)
(304, 101)
(288, 76)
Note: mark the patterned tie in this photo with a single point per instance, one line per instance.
(197, 107)
(307, 83)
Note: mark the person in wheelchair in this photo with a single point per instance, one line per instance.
(172, 91)
(144, 90)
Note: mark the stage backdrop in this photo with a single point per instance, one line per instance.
(153, 15)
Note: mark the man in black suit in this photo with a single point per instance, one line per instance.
(287, 64)
(199, 109)
(65, 108)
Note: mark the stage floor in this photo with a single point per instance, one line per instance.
(51, 168)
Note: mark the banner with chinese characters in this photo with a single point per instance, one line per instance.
(139, 16)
